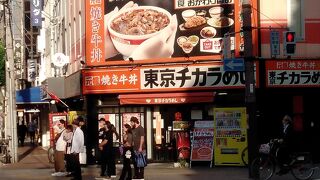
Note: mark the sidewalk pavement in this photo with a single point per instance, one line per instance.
(34, 165)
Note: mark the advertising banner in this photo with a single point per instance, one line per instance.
(293, 73)
(161, 78)
(149, 30)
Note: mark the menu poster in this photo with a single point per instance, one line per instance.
(53, 121)
(180, 125)
(202, 144)
(188, 28)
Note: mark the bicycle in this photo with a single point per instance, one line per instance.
(264, 166)
(244, 156)
(5, 152)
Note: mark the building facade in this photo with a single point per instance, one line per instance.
(178, 70)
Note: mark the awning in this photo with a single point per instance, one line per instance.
(167, 98)
(29, 96)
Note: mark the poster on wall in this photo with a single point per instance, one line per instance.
(202, 141)
(157, 29)
(127, 116)
(72, 115)
(53, 121)
(108, 117)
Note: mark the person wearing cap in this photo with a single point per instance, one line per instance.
(77, 146)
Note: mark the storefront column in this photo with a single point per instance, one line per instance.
(149, 132)
(92, 127)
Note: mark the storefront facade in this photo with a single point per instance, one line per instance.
(166, 82)
(189, 92)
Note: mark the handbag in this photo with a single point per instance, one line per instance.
(141, 160)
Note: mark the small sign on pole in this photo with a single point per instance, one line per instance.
(274, 43)
(234, 64)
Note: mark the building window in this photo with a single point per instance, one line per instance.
(295, 13)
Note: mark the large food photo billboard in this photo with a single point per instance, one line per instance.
(147, 30)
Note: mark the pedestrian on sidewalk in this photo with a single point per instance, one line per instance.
(138, 146)
(128, 153)
(105, 146)
(77, 146)
(60, 146)
(83, 127)
(22, 131)
(32, 128)
(68, 138)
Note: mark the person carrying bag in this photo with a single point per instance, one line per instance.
(141, 160)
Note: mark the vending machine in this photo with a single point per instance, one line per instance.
(230, 136)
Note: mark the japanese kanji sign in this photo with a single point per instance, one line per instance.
(293, 73)
(95, 32)
(35, 12)
(162, 78)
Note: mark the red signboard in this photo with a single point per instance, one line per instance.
(95, 32)
(293, 73)
(167, 98)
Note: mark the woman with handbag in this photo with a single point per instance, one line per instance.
(127, 153)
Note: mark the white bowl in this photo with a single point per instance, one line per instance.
(186, 14)
(126, 44)
(216, 11)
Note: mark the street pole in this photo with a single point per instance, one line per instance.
(10, 120)
(250, 96)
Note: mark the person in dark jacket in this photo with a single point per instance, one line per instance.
(22, 131)
(286, 144)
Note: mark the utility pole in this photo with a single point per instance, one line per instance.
(250, 96)
(10, 110)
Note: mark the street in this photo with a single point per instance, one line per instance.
(34, 165)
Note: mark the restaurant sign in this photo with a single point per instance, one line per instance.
(293, 73)
(157, 79)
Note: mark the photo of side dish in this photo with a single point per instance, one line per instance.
(208, 32)
(220, 22)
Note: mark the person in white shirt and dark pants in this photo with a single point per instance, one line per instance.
(77, 146)
(60, 147)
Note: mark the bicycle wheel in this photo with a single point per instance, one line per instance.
(51, 155)
(244, 156)
(302, 170)
(262, 168)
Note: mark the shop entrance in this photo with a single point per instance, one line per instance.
(171, 129)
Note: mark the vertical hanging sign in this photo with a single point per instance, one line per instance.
(94, 32)
(35, 13)
(32, 69)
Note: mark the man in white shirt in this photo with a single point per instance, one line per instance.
(77, 146)
(60, 147)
